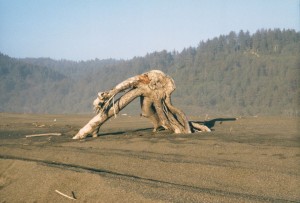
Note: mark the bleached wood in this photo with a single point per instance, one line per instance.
(44, 134)
(67, 196)
(155, 89)
(200, 127)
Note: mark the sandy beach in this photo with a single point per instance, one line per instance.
(251, 159)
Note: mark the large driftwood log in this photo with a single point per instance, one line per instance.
(154, 89)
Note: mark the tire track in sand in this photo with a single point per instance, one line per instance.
(149, 181)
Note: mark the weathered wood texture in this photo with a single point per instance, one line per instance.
(154, 89)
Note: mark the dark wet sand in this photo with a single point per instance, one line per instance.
(246, 160)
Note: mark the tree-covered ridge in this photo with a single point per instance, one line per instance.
(252, 74)
(235, 74)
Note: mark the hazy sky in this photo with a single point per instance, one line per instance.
(88, 29)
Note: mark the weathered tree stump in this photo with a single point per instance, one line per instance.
(154, 89)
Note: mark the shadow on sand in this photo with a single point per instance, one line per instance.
(124, 132)
(210, 124)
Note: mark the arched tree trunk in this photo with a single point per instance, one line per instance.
(154, 89)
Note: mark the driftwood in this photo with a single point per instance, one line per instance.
(44, 134)
(67, 196)
(154, 89)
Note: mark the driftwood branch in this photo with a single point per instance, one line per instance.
(44, 134)
(154, 89)
(65, 195)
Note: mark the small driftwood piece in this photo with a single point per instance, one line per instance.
(200, 128)
(154, 89)
(67, 196)
(44, 134)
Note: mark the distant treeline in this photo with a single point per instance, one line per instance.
(234, 74)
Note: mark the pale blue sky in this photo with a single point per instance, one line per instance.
(88, 29)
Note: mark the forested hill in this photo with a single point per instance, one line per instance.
(234, 74)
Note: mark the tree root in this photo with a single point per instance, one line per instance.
(154, 89)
